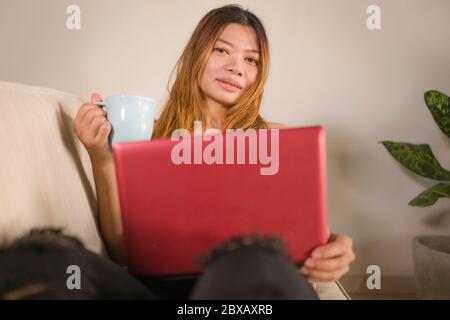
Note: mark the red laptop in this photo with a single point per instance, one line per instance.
(181, 198)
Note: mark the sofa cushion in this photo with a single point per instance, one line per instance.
(46, 177)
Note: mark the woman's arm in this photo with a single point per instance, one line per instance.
(93, 129)
(109, 210)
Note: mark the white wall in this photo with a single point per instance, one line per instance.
(327, 68)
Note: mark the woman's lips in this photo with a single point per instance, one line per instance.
(228, 86)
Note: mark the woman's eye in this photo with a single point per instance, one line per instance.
(252, 61)
(221, 50)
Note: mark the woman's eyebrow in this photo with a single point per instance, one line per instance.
(231, 45)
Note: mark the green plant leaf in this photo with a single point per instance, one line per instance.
(439, 106)
(418, 158)
(431, 195)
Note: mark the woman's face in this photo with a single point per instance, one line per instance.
(232, 65)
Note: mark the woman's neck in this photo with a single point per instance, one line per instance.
(214, 115)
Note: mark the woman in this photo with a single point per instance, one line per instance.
(220, 79)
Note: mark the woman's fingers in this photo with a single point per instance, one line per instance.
(337, 247)
(330, 261)
(331, 264)
(95, 125)
(103, 133)
(92, 128)
(325, 276)
(93, 114)
(84, 116)
(86, 125)
(84, 109)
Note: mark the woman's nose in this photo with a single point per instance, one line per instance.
(234, 65)
(235, 71)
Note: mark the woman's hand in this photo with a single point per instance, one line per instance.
(92, 128)
(330, 261)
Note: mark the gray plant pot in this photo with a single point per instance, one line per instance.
(431, 255)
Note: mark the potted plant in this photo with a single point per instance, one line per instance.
(431, 254)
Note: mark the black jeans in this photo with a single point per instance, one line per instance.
(37, 267)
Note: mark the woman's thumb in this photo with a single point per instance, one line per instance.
(96, 97)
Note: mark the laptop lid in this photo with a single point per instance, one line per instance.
(179, 199)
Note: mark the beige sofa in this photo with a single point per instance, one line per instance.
(46, 176)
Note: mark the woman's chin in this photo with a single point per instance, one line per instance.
(226, 101)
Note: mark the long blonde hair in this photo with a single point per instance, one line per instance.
(186, 101)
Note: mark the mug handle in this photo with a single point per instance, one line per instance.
(102, 105)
